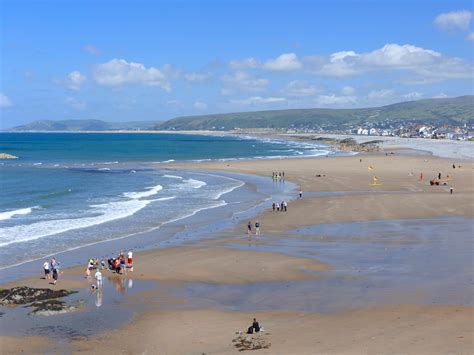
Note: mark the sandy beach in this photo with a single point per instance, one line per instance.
(335, 190)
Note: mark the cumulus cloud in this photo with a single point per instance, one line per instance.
(380, 94)
(258, 101)
(119, 72)
(425, 63)
(5, 101)
(196, 77)
(91, 49)
(76, 103)
(348, 90)
(413, 96)
(300, 88)
(244, 63)
(199, 105)
(455, 20)
(242, 81)
(334, 100)
(285, 62)
(74, 80)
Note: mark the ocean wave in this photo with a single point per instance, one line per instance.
(20, 212)
(193, 183)
(173, 177)
(226, 191)
(107, 212)
(218, 204)
(153, 190)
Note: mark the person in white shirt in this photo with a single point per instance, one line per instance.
(47, 271)
(130, 260)
(98, 277)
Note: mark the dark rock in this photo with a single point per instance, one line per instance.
(251, 342)
(50, 307)
(24, 295)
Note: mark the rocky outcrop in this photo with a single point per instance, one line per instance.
(7, 156)
(50, 308)
(24, 295)
(251, 341)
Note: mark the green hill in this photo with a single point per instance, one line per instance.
(452, 111)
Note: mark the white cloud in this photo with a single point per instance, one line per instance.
(441, 95)
(380, 94)
(119, 72)
(426, 63)
(244, 63)
(285, 62)
(334, 100)
(196, 77)
(455, 20)
(470, 36)
(243, 81)
(258, 101)
(347, 90)
(5, 101)
(413, 96)
(199, 105)
(300, 88)
(76, 103)
(74, 80)
(91, 49)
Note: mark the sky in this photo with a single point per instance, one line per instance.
(154, 60)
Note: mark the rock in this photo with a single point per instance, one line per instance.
(7, 156)
(24, 295)
(251, 342)
(50, 308)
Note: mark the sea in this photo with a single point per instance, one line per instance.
(71, 190)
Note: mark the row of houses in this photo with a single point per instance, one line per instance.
(418, 131)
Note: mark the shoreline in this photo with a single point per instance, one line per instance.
(200, 272)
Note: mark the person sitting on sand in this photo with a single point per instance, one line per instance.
(254, 327)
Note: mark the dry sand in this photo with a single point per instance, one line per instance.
(415, 329)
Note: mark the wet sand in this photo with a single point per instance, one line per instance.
(404, 328)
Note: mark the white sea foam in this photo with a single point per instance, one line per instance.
(153, 190)
(37, 163)
(106, 212)
(20, 212)
(193, 183)
(226, 191)
(173, 177)
(103, 169)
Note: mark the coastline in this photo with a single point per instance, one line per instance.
(443, 328)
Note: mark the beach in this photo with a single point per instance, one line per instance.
(415, 297)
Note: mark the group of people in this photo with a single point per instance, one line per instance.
(280, 207)
(280, 175)
(51, 270)
(250, 226)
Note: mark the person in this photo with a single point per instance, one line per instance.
(55, 276)
(439, 176)
(421, 177)
(274, 206)
(130, 260)
(451, 190)
(249, 228)
(278, 207)
(98, 278)
(257, 228)
(256, 326)
(454, 166)
(285, 205)
(123, 269)
(301, 194)
(281, 206)
(47, 271)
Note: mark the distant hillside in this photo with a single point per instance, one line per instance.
(436, 111)
(83, 125)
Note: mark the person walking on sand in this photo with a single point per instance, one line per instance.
(285, 205)
(281, 206)
(249, 228)
(421, 177)
(257, 228)
(301, 194)
(451, 190)
(47, 271)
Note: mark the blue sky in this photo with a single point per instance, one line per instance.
(154, 60)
